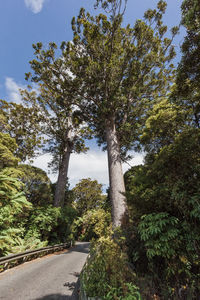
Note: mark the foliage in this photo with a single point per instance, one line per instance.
(114, 7)
(42, 221)
(168, 179)
(104, 275)
(50, 224)
(92, 225)
(186, 90)
(27, 218)
(61, 125)
(88, 195)
(29, 227)
(14, 209)
(131, 294)
(7, 147)
(24, 125)
(190, 48)
(164, 204)
(165, 120)
(62, 122)
(37, 185)
(118, 70)
(160, 234)
(63, 229)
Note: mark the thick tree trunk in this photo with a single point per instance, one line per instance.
(63, 166)
(62, 178)
(117, 187)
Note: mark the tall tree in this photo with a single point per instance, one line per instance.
(62, 124)
(37, 185)
(24, 125)
(88, 195)
(7, 147)
(117, 72)
(166, 120)
(187, 89)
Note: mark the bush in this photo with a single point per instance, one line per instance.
(51, 224)
(94, 224)
(23, 226)
(164, 252)
(107, 273)
(62, 231)
(14, 209)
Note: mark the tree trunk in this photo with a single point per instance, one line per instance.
(116, 178)
(62, 178)
(63, 166)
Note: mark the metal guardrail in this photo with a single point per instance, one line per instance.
(6, 260)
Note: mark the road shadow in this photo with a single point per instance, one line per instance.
(75, 295)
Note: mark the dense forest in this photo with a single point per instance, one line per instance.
(119, 85)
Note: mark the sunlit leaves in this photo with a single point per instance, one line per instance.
(88, 195)
(23, 124)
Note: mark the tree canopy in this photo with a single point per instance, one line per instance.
(62, 123)
(88, 195)
(24, 125)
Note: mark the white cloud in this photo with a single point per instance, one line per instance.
(34, 5)
(12, 89)
(136, 160)
(93, 164)
(42, 163)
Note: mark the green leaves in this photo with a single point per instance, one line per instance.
(190, 14)
(187, 90)
(14, 207)
(7, 147)
(163, 197)
(24, 225)
(88, 195)
(119, 70)
(24, 126)
(93, 224)
(160, 233)
(163, 124)
(104, 275)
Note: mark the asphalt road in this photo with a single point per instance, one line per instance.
(51, 277)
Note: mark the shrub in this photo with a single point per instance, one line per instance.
(107, 273)
(14, 209)
(51, 224)
(94, 224)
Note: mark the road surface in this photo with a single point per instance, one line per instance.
(52, 277)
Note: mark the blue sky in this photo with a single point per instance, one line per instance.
(24, 22)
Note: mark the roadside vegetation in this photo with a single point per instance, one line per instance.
(117, 84)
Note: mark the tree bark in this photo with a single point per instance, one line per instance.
(63, 166)
(116, 178)
(62, 178)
